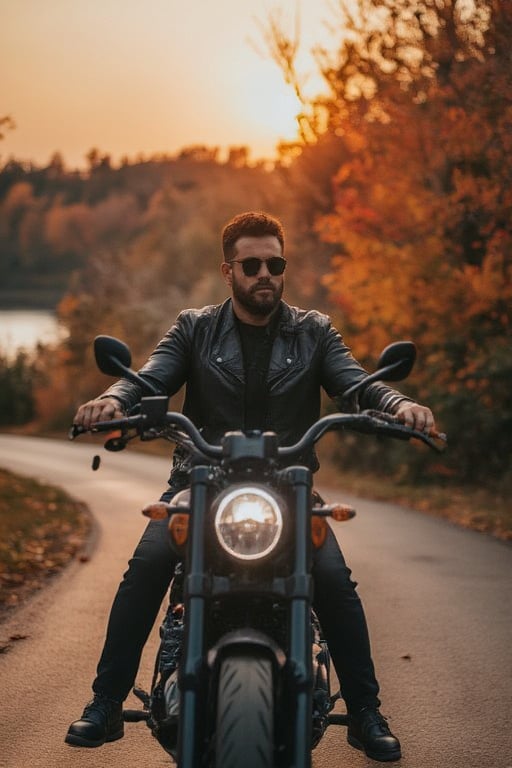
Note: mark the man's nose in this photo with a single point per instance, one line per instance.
(263, 270)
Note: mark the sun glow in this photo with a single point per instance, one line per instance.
(131, 79)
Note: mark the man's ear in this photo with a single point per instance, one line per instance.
(226, 272)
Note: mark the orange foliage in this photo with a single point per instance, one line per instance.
(422, 219)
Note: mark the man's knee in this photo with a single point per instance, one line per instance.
(334, 579)
(330, 570)
(153, 559)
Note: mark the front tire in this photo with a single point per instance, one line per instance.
(245, 713)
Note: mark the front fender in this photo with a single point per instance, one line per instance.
(246, 638)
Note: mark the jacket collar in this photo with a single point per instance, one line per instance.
(226, 349)
(226, 322)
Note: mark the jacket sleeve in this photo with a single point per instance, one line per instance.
(340, 371)
(167, 367)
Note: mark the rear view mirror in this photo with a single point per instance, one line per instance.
(396, 361)
(113, 357)
(395, 364)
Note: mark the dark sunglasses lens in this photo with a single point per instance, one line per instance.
(275, 266)
(251, 267)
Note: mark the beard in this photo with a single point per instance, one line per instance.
(256, 302)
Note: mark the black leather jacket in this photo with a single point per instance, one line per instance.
(203, 350)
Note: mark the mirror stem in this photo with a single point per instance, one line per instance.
(134, 377)
(371, 378)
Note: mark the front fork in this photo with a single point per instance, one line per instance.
(300, 657)
(192, 670)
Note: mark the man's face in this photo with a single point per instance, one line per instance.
(260, 294)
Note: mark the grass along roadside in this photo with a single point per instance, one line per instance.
(469, 506)
(473, 507)
(41, 530)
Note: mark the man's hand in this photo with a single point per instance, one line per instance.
(102, 409)
(417, 417)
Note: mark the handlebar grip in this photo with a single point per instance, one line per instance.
(126, 422)
(427, 437)
(75, 430)
(105, 426)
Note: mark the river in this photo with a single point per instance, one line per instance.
(25, 328)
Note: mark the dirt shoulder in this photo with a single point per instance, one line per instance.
(41, 530)
(474, 507)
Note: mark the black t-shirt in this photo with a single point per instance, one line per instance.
(257, 341)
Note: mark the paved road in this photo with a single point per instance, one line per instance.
(438, 600)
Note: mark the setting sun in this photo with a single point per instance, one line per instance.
(129, 79)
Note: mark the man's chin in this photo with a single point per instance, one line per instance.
(262, 305)
(261, 302)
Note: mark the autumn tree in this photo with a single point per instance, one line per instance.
(199, 153)
(420, 99)
(238, 157)
(16, 389)
(150, 251)
(6, 124)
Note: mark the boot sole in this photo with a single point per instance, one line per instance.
(382, 757)
(79, 741)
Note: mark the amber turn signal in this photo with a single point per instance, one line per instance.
(342, 512)
(156, 511)
(178, 528)
(318, 531)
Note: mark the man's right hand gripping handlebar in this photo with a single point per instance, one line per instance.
(100, 409)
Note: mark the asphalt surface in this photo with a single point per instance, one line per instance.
(438, 601)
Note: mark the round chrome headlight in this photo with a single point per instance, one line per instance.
(248, 522)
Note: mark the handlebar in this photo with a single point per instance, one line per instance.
(174, 425)
(368, 422)
(174, 422)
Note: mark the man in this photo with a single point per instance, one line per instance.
(253, 362)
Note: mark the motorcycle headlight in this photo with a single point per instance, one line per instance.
(248, 523)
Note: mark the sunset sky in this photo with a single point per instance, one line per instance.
(130, 76)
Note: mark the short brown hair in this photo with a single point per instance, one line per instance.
(249, 224)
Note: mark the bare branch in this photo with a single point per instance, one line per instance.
(6, 124)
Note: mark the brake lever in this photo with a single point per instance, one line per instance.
(117, 442)
(429, 440)
(387, 424)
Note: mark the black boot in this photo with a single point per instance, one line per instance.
(368, 730)
(101, 721)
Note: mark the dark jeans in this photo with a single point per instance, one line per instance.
(147, 579)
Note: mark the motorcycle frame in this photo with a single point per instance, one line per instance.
(113, 358)
(194, 674)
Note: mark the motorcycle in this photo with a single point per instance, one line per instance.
(242, 673)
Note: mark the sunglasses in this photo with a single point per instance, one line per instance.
(275, 265)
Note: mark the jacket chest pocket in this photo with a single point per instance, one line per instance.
(289, 374)
(221, 369)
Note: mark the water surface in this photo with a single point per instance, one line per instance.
(25, 328)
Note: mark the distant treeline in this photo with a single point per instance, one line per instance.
(397, 199)
(52, 219)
